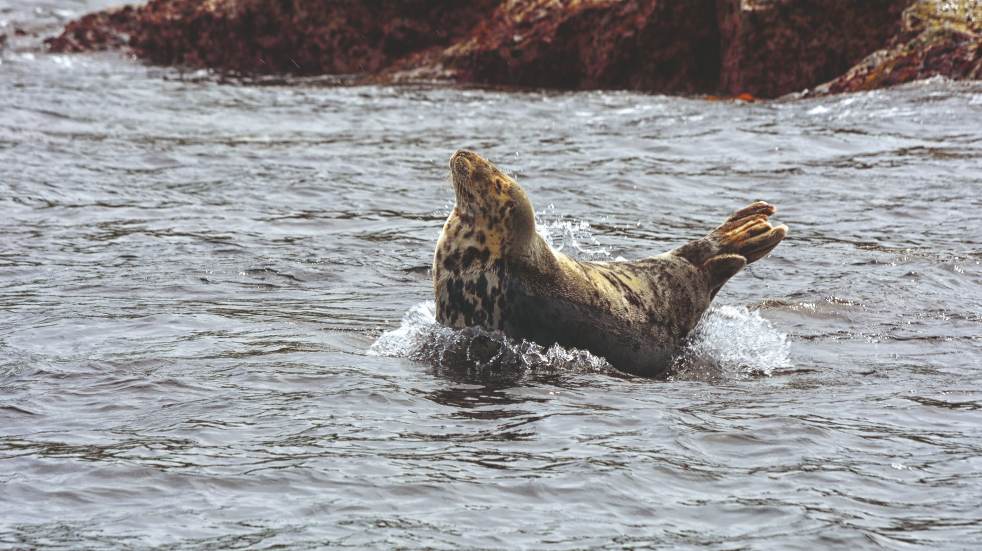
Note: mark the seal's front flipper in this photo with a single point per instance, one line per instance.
(721, 268)
(748, 233)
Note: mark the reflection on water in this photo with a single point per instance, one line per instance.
(215, 327)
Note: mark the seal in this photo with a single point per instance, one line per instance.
(492, 270)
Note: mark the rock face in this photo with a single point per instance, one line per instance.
(301, 36)
(278, 36)
(763, 48)
(666, 46)
(937, 38)
(773, 47)
(98, 31)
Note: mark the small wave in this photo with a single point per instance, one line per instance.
(728, 341)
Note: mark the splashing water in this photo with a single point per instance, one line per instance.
(181, 355)
(573, 236)
(478, 352)
(728, 340)
(732, 340)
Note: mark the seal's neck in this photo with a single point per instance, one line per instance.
(535, 257)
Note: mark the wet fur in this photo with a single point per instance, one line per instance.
(492, 270)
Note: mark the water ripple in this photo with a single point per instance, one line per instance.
(193, 272)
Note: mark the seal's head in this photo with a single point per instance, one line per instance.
(490, 202)
(491, 227)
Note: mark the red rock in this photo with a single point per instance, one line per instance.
(773, 47)
(735, 48)
(97, 31)
(937, 38)
(299, 36)
(657, 45)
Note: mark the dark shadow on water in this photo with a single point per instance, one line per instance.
(488, 402)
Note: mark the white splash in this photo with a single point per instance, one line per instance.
(732, 340)
(729, 341)
(419, 337)
(574, 237)
(417, 324)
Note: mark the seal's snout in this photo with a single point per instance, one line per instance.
(461, 165)
(460, 155)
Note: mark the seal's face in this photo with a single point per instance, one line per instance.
(491, 203)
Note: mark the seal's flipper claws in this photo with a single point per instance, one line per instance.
(757, 207)
(748, 233)
(758, 247)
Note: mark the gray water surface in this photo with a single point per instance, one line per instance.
(203, 285)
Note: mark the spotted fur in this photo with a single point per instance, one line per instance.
(492, 270)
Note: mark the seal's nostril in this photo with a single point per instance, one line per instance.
(460, 164)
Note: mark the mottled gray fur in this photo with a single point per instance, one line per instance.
(492, 270)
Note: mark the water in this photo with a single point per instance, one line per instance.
(193, 275)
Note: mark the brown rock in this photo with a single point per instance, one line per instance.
(299, 36)
(748, 48)
(761, 48)
(97, 31)
(937, 38)
(773, 47)
(657, 45)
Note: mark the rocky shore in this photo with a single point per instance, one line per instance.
(751, 48)
(937, 38)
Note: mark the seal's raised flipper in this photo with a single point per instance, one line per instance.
(748, 233)
(745, 237)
